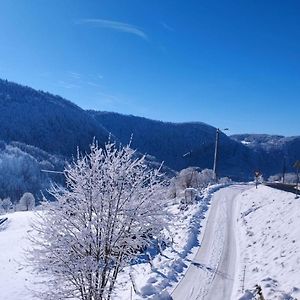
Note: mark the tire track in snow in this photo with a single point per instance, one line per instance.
(210, 274)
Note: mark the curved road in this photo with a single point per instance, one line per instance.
(210, 275)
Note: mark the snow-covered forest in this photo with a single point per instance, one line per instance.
(58, 126)
(114, 213)
(21, 168)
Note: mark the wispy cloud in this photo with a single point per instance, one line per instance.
(91, 83)
(74, 75)
(108, 98)
(68, 85)
(166, 26)
(118, 26)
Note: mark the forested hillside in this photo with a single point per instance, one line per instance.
(273, 152)
(45, 121)
(40, 131)
(21, 170)
(170, 141)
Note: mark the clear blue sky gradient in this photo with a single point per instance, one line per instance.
(230, 64)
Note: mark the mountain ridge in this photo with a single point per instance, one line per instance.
(58, 126)
(41, 119)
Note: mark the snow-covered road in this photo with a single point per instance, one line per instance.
(210, 275)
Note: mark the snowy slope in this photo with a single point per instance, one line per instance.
(269, 244)
(268, 239)
(152, 281)
(15, 279)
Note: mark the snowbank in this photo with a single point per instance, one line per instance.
(150, 280)
(268, 244)
(157, 280)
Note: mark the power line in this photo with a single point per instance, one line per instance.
(50, 171)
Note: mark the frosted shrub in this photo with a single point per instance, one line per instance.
(225, 180)
(111, 209)
(27, 202)
(274, 178)
(6, 204)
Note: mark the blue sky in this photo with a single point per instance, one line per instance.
(230, 64)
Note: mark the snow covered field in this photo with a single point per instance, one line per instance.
(267, 226)
(268, 244)
(152, 280)
(15, 279)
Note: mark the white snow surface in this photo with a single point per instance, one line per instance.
(157, 280)
(267, 226)
(15, 278)
(245, 142)
(268, 230)
(148, 280)
(211, 273)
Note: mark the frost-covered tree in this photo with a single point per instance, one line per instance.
(206, 177)
(111, 209)
(188, 183)
(27, 202)
(274, 178)
(290, 178)
(6, 204)
(190, 178)
(225, 180)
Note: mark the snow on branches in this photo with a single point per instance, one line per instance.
(111, 209)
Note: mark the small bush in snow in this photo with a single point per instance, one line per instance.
(274, 178)
(6, 204)
(190, 178)
(290, 178)
(225, 180)
(27, 202)
(206, 177)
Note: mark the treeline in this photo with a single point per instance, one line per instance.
(169, 142)
(26, 202)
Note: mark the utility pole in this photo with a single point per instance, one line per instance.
(216, 154)
(297, 166)
(283, 170)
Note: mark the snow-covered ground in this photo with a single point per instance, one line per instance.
(153, 280)
(267, 226)
(158, 279)
(15, 279)
(268, 244)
